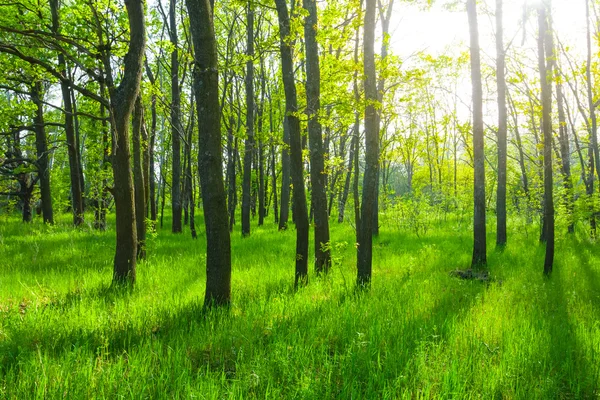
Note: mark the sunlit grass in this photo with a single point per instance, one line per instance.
(418, 333)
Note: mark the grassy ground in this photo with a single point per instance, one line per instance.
(418, 333)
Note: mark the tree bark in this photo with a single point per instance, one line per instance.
(291, 107)
(73, 149)
(502, 128)
(152, 172)
(122, 99)
(138, 178)
(479, 229)
(206, 90)
(545, 66)
(285, 177)
(176, 128)
(369, 194)
(315, 142)
(41, 146)
(249, 143)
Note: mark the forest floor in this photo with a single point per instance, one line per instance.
(419, 332)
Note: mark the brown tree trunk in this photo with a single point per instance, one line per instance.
(122, 99)
(502, 128)
(365, 234)
(41, 146)
(479, 244)
(317, 158)
(545, 53)
(231, 179)
(206, 90)
(297, 173)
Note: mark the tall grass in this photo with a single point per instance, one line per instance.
(418, 333)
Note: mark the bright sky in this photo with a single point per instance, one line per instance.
(413, 29)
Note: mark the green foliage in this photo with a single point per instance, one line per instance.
(417, 333)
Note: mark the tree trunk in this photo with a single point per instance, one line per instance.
(249, 143)
(152, 173)
(365, 234)
(122, 101)
(138, 178)
(176, 128)
(73, 149)
(41, 146)
(261, 153)
(231, 179)
(502, 128)
(291, 106)
(545, 66)
(285, 177)
(317, 158)
(206, 90)
(479, 244)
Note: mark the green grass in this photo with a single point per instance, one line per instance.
(418, 333)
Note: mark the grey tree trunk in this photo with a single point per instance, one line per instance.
(545, 65)
(249, 144)
(297, 173)
(138, 178)
(73, 149)
(502, 128)
(315, 142)
(41, 146)
(369, 194)
(206, 90)
(176, 128)
(122, 100)
(479, 229)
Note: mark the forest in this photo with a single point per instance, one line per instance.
(304, 199)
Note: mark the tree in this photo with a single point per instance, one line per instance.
(502, 128)
(293, 124)
(73, 148)
(176, 126)
(369, 194)
(249, 144)
(210, 167)
(41, 145)
(545, 52)
(479, 245)
(317, 162)
(122, 100)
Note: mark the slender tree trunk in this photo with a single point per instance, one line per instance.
(502, 128)
(261, 154)
(73, 149)
(138, 178)
(285, 177)
(122, 101)
(545, 66)
(249, 144)
(588, 75)
(231, 179)
(41, 146)
(344, 195)
(206, 90)
(369, 195)
(291, 106)
(317, 158)
(188, 173)
(479, 245)
(152, 172)
(176, 128)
